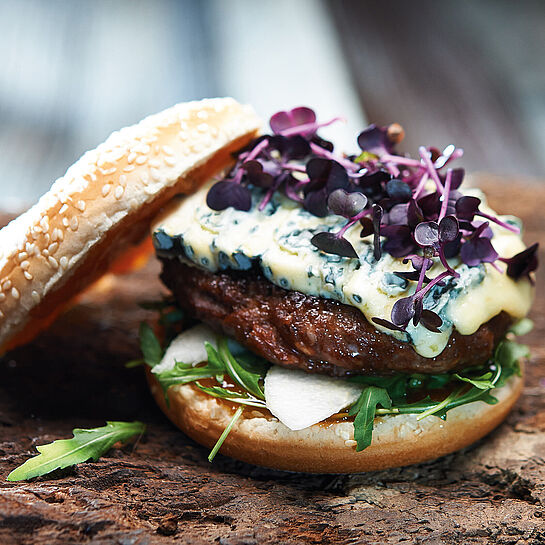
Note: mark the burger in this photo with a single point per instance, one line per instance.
(327, 312)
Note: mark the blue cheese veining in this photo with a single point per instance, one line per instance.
(277, 240)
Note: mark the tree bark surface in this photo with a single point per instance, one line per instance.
(163, 490)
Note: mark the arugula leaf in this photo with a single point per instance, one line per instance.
(183, 373)
(522, 327)
(225, 433)
(365, 409)
(84, 445)
(150, 345)
(229, 395)
(246, 379)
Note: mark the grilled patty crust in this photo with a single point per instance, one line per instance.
(312, 333)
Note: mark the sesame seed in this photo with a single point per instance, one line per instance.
(203, 114)
(1, 314)
(60, 234)
(52, 248)
(170, 161)
(129, 168)
(183, 125)
(106, 189)
(36, 296)
(2, 296)
(142, 148)
(182, 136)
(28, 276)
(141, 159)
(6, 285)
(80, 205)
(45, 252)
(65, 222)
(108, 171)
(168, 150)
(93, 177)
(25, 265)
(53, 262)
(350, 443)
(64, 262)
(119, 191)
(74, 223)
(63, 209)
(15, 293)
(155, 175)
(123, 180)
(132, 156)
(203, 127)
(22, 256)
(133, 203)
(154, 163)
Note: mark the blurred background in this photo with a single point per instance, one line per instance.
(464, 72)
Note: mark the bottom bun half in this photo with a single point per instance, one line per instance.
(259, 438)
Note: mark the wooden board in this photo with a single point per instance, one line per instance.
(163, 490)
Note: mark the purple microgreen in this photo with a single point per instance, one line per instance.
(380, 140)
(430, 205)
(450, 153)
(281, 122)
(509, 227)
(326, 173)
(427, 233)
(523, 263)
(431, 321)
(400, 161)
(294, 147)
(446, 195)
(377, 217)
(224, 194)
(316, 202)
(458, 175)
(426, 159)
(367, 227)
(466, 207)
(252, 154)
(332, 243)
(255, 174)
(448, 229)
(477, 248)
(398, 191)
(399, 241)
(346, 204)
(321, 152)
(420, 186)
(309, 129)
(414, 214)
(403, 311)
(418, 308)
(385, 323)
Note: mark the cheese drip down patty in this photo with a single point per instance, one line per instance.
(277, 242)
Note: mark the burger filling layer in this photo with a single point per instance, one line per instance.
(275, 242)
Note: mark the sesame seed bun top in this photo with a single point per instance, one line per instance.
(105, 203)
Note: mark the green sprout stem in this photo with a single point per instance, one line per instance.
(225, 433)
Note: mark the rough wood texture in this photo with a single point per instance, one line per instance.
(163, 490)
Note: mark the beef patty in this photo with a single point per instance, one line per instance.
(312, 333)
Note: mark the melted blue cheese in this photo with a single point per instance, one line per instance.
(277, 240)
